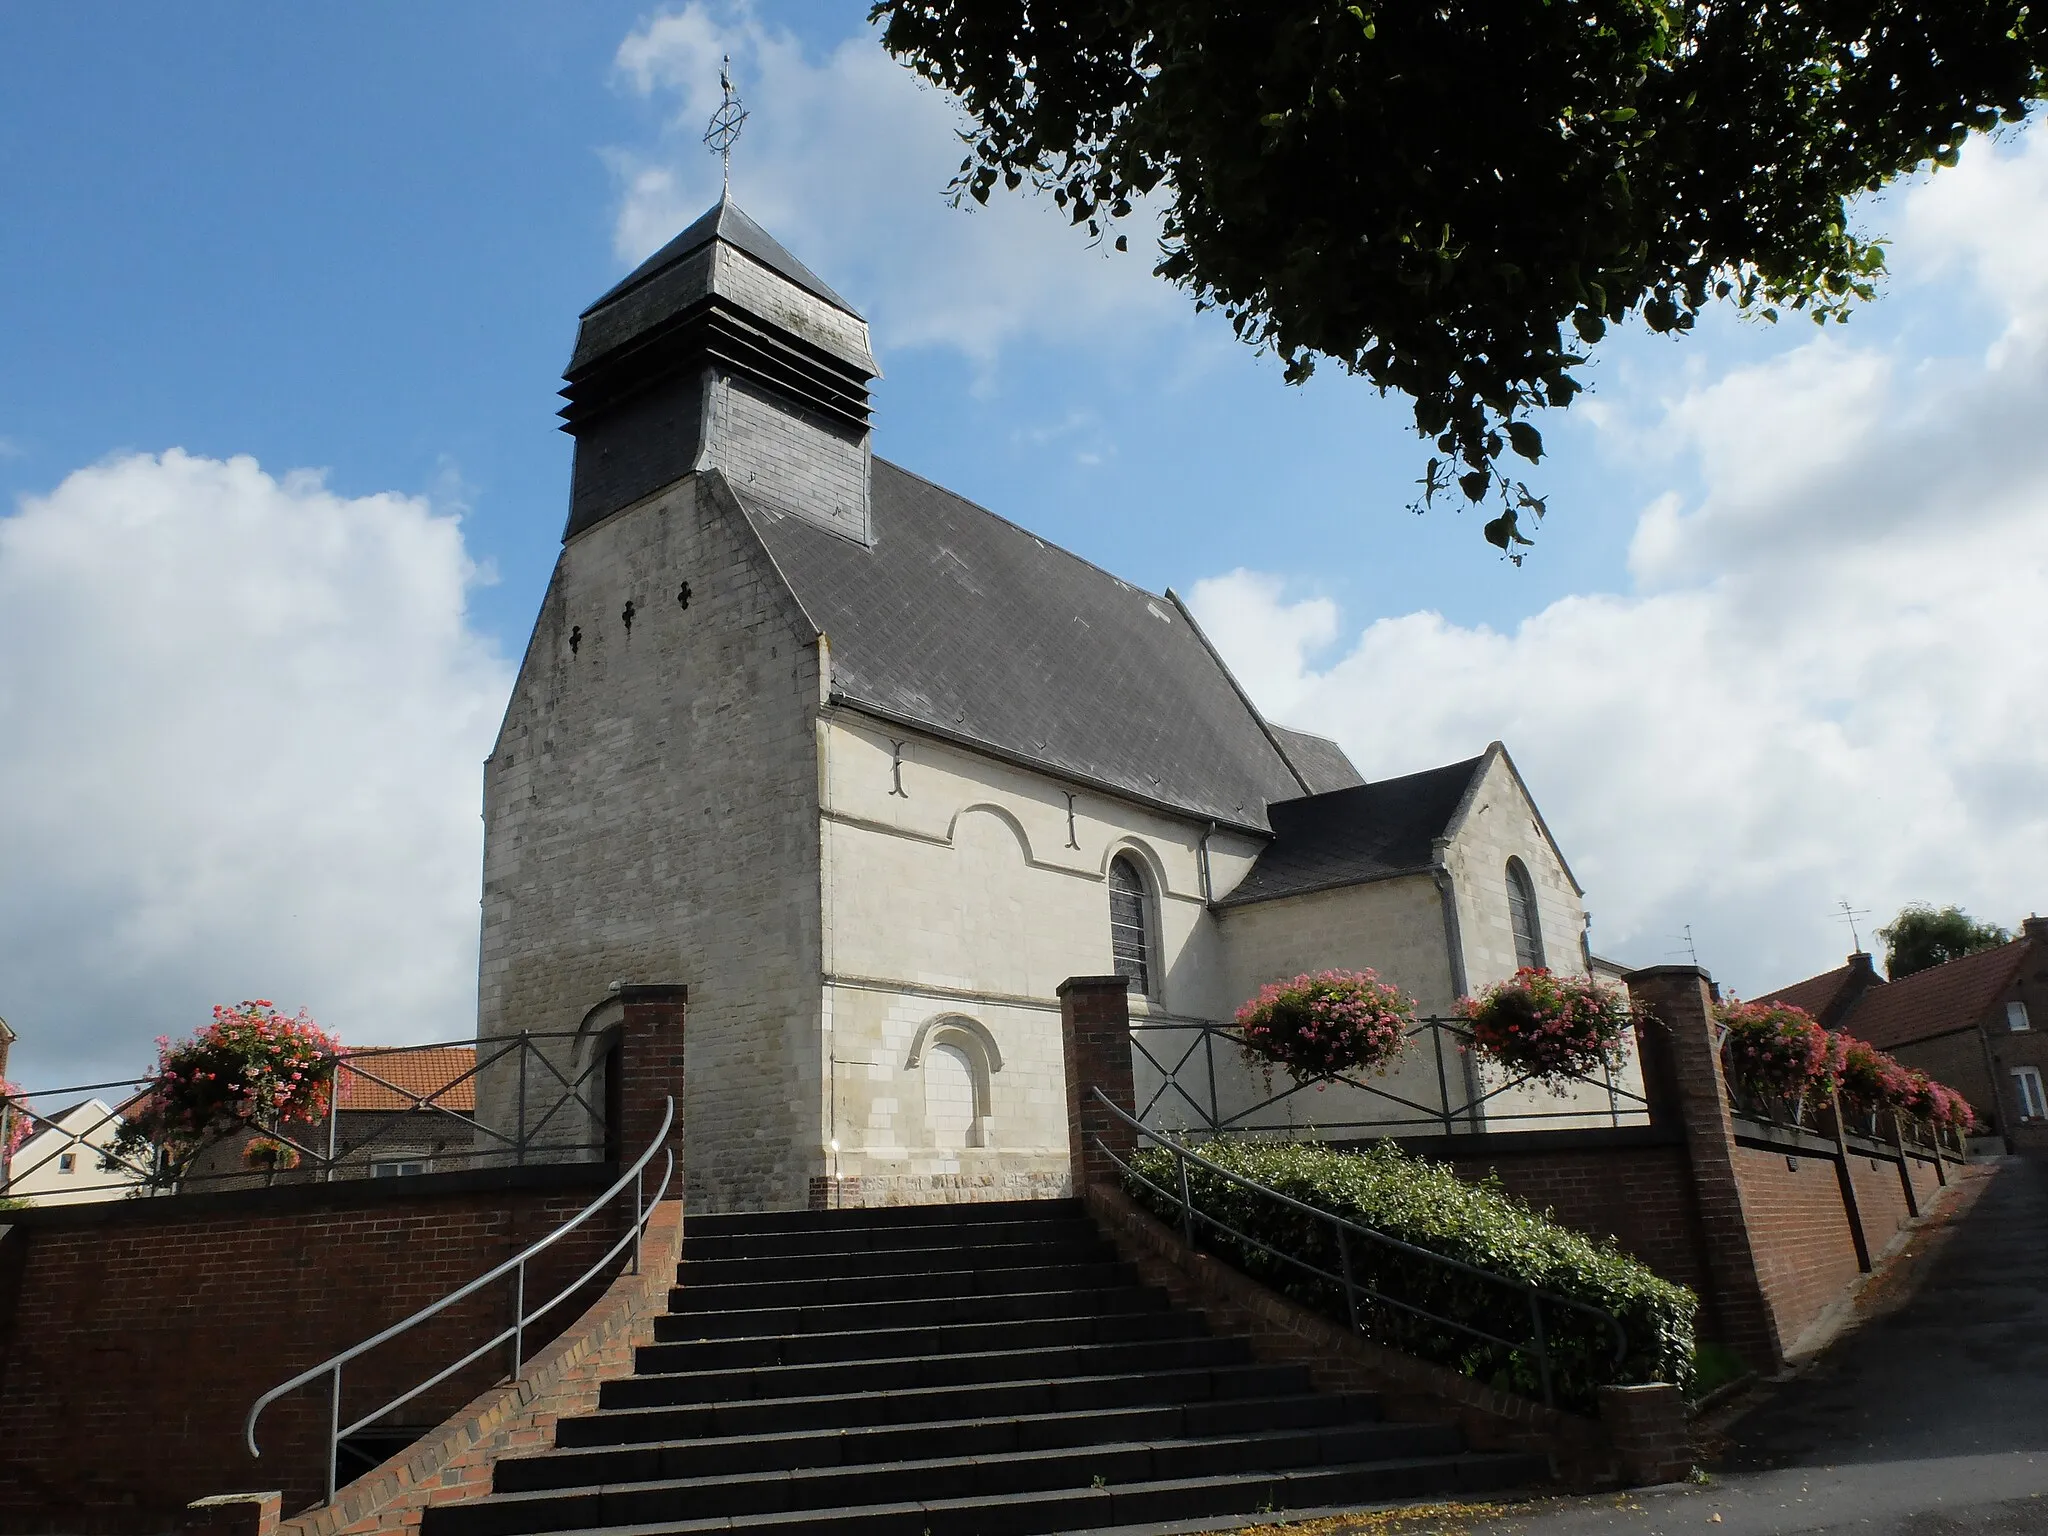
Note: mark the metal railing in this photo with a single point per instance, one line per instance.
(1436, 1086)
(1360, 1295)
(514, 1333)
(518, 1099)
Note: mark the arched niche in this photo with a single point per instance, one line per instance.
(945, 1050)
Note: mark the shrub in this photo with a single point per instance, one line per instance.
(1428, 1205)
(1331, 1022)
(1550, 1028)
(1777, 1051)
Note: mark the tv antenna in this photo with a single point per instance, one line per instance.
(726, 122)
(1849, 915)
(1691, 950)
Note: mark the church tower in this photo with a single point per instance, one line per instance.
(722, 351)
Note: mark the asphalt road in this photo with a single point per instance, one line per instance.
(1927, 1417)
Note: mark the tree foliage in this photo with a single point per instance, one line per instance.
(1920, 936)
(1455, 200)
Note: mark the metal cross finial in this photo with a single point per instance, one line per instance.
(726, 122)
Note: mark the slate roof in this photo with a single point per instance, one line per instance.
(423, 1070)
(958, 622)
(1319, 760)
(724, 222)
(1936, 1000)
(1350, 836)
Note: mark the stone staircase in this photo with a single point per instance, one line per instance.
(960, 1370)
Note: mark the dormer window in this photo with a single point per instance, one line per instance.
(1130, 941)
(1522, 917)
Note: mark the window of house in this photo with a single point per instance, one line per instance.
(2033, 1103)
(2016, 1016)
(67, 1162)
(1522, 916)
(398, 1167)
(1129, 940)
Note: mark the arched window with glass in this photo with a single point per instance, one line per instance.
(1130, 935)
(1522, 918)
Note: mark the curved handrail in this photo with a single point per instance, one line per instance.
(521, 1318)
(1345, 1228)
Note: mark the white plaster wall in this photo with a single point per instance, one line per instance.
(650, 814)
(971, 893)
(35, 1174)
(1394, 927)
(1501, 823)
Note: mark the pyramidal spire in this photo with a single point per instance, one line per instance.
(722, 351)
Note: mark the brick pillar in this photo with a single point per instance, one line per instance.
(1684, 1067)
(232, 1514)
(1095, 1032)
(650, 1067)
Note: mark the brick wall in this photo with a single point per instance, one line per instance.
(135, 1336)
(455, 1462)
(1639, 1196)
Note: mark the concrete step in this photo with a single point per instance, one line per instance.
(933, 1260)
(759, 1322)
(814, 1242)
(1351, 1450)
(1022, 1397)
(738, 1291)
(897, 1343)
(903, 1373)
(649, 1460)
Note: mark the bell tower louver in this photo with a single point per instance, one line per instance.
(722, 351)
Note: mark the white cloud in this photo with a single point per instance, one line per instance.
(241, 726)
(1828, 681)
(845, 159)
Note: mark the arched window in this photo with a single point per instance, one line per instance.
(1129, 940)
(1522, 916)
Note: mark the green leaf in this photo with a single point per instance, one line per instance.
(1527, 441)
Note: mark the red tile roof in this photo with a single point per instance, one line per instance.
(1816, 994)
(1936, 1000)
(425, 1070)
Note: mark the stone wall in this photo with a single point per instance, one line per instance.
(135, 1336)
(650, 815)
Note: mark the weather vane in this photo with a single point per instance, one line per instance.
(726, 122)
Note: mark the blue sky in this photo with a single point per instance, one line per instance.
(1771, 648)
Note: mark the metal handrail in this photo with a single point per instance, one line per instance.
(1346, 1230)
(643, 1208)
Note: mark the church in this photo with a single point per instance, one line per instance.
(871, 770)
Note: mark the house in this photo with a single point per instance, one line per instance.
(59, 1163)
(1979, 1024)
(397, 1110)
(872, 769)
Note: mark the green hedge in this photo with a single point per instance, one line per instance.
(1429, 1206)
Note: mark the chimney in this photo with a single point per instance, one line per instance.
(2036, 929)
(722, 351)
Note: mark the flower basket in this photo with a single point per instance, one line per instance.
(1871, 1080)
(1331, 1022)
(1776, 1051)
(252, 1066)
(15, 1123)
(1551, 1029)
